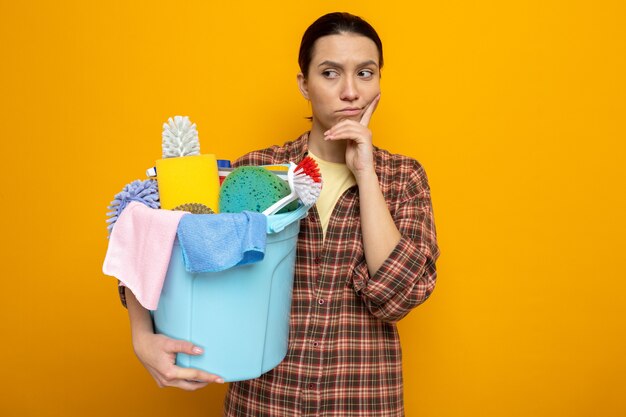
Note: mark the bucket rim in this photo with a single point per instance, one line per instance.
(277, 222)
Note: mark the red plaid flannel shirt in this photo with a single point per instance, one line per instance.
(344, 356)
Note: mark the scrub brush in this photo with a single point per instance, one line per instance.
(194, 208)
(179, 138)
(305, 182)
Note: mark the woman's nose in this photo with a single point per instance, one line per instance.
(349, 91)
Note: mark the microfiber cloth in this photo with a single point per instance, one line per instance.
(140, 248)
(215, 242)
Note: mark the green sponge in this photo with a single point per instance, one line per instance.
(252, 188)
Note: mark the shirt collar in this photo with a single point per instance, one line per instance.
(301, 148)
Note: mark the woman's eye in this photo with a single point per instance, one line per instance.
(330, 73)
(366, 73)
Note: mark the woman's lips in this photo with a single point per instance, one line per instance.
(350, 111)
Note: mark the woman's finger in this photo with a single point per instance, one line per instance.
(345, 124)
(182, 346)
(367, 115)
(357, 133)
(192, 374)
(189, 385)
(340, 125)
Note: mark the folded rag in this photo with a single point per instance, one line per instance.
(140, 248)
(215, 242)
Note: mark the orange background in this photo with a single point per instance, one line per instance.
(516, 110)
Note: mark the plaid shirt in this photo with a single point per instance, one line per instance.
(344, 356)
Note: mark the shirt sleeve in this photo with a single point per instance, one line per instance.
(407, 277)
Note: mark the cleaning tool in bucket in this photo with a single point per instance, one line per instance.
(213, 243)
(140, 248)
(305, 182)
(189, 179)
(145, 192)
(252, 188)
(185, 176)
(179, 138)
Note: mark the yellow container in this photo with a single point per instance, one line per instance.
(188, 179)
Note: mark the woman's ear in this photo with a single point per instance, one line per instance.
(303, 86)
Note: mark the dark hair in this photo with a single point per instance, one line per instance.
(335, 24)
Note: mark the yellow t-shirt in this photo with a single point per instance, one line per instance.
(336, 178)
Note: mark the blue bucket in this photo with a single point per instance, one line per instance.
(240, 316)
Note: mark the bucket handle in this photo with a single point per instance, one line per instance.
(277, 222)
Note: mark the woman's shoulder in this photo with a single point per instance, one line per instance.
(396, 165)
(399, 174)
(275, 154)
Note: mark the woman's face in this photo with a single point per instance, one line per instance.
(343, 79)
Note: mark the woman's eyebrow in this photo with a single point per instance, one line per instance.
(338, 65)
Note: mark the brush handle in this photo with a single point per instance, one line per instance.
(305, 183)
(280, 204)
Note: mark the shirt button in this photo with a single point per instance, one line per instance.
(311, 386)
(321, 301)
(315, 344)
(318, 259)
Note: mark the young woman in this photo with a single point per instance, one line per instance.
(365, 257)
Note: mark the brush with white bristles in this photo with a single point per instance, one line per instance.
(179, 138)
(305, 182)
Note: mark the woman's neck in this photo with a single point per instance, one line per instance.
(327, 150)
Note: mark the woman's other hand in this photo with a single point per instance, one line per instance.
(157, 353)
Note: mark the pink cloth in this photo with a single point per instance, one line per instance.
(139, 250)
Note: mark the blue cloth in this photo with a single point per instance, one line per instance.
(215, 242)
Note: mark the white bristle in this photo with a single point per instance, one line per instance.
(180, 138)
(307, 189)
